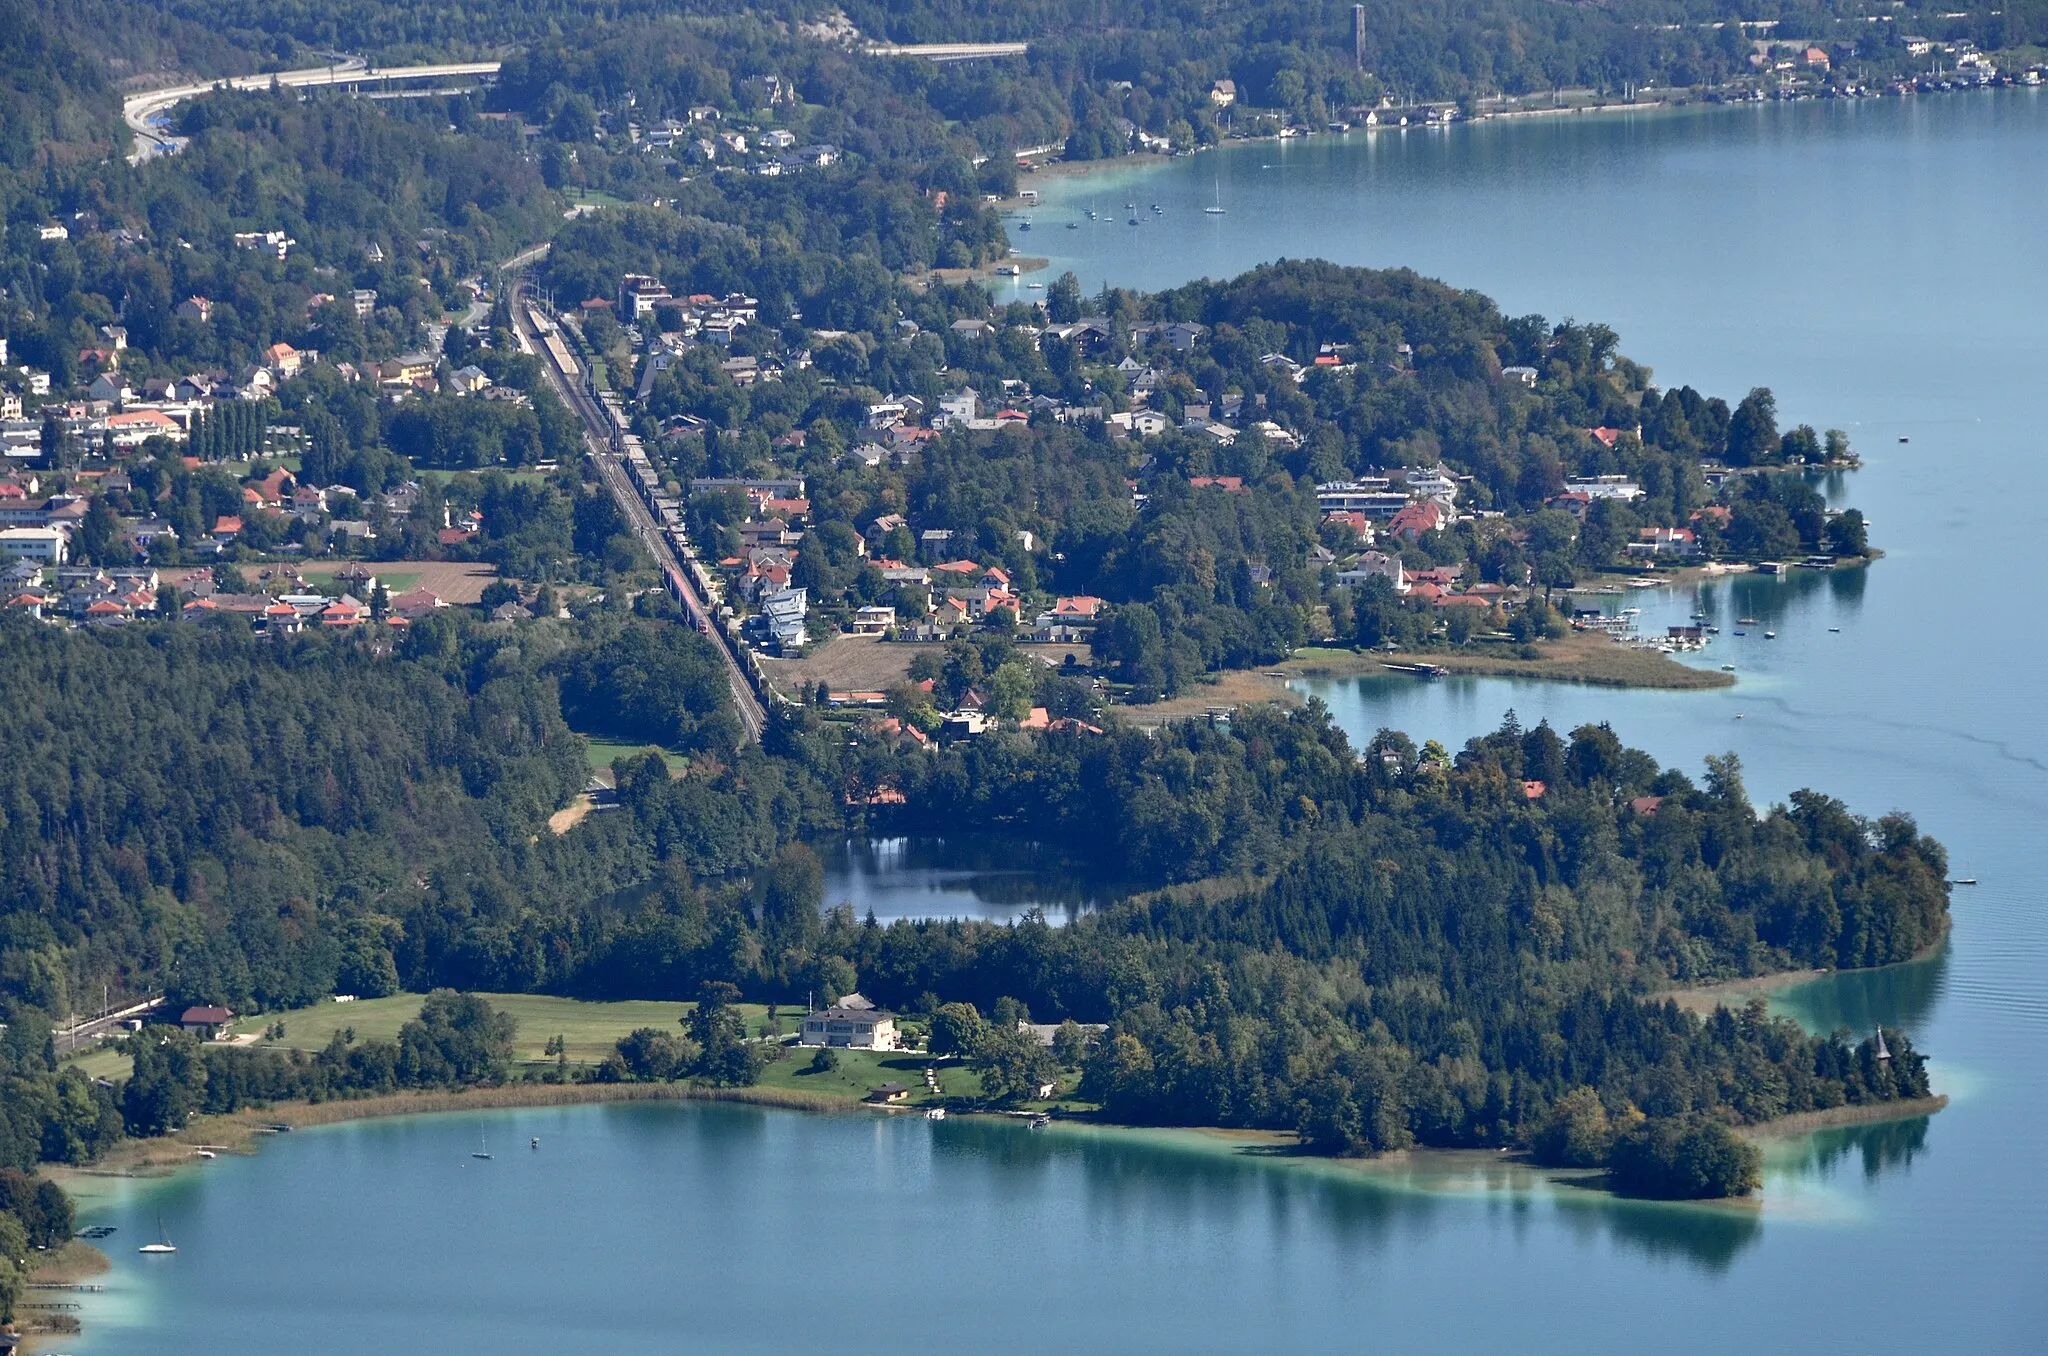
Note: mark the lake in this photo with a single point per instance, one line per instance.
(972, 876)
(1880, 265)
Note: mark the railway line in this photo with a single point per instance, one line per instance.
(652, 517)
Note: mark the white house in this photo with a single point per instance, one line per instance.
(852, 1023)
(1375, 563)
(45, 544)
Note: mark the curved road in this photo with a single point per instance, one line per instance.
(138, 110)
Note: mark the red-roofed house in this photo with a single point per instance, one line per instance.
(1646, 805)
(227, 527)
(344, 612)
(1355, 522)
(961, 567)
(1606, 437)
(1411, 522)
(1665, 541)
(1533, 790)
(1227, 484)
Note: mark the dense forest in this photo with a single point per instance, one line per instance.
(1396, 946)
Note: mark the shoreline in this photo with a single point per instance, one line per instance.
(242, 1131)
(1584, 658)
(1860, 1113)
(1702, 999)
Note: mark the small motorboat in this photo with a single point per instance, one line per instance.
(1770, 635)
(937, 1113)
(536, 1141)
(1742, 633)
(1905, 440)
(1834, 630)
(1727, 668)
(205, 1153)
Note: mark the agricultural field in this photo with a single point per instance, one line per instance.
(454, 581)
(590, 1030)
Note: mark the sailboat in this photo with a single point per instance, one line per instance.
(163, 1240)
(1219, 209)
(483, 1146)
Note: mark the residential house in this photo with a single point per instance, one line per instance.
(1418, 518)
(1223, 93)
(265, 242)
(199, 309)
(1653, 542)
(1604, 487)
(284, 360)
(853, 1023)
(46, 544)
(1375, 563)
(1354, 522)
(109, 386)
(206, 1021)
(873, 621)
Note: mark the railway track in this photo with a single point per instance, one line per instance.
(566, 374)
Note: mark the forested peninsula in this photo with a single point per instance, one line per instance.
(1396, 946)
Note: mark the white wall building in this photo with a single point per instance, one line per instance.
(853, 1023)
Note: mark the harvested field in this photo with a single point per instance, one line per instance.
(454, 581)
(866, 664)
(1232, 688)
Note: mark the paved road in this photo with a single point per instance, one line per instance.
(597, 437)
(138, 110)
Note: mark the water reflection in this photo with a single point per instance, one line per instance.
(977, 876)
(1879, 1147)
(1192, 1183)
(1896, 995)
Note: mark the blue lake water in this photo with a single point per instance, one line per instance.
(1881, 266)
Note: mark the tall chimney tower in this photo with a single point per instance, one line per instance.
(1358, 36)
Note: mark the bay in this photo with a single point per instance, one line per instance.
(1879, 265)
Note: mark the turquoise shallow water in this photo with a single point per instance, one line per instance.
(1880, 265)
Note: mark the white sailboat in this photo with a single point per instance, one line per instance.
(1219, 209)
(163, 1240)
(483, 1146)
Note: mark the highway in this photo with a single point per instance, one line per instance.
(138, 110)
(567, 377)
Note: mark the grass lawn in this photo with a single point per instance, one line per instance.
(590, 1029)
(600, 753)
(102, 1062)
(860, 1071)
